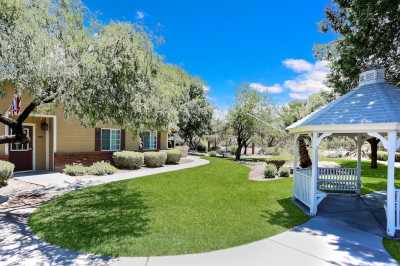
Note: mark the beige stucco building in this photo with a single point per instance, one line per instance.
(56, 141)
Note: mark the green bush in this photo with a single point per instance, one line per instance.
(173, 156)
(101, 168)
(284, 172)
(75, 169)
(6, 171)
(155, 158)
(212, 154)
(383, 156)
(128, 159)
(270, 171)
(278, 163)
(184, 150)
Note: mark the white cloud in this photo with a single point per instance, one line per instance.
(276, 88)
(298, 65)
(140, 14)
(311, 80)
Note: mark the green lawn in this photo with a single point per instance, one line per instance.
(393, 247)
(372, 179)
(195, 210)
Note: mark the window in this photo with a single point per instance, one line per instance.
(110, 139)
(150, 140)
(19, 146)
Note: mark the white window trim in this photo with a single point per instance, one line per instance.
(101, 138)
(156, 140)
(29, 146)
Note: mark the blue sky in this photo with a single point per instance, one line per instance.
(268, 44)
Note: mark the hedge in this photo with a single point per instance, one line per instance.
(155, 158)
(6, 171)
(173, 156)
(270, 171)
(128, 159)
(383, 156)
(98, 168)
(101, 168)
(75, 169)
(284, 172)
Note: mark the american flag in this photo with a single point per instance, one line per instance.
(16, 105)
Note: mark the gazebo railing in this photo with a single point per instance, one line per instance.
(329, 180)
(339, 180)
(397, 209)
(302, 185)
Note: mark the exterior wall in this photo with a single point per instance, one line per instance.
(74, 143)
(163, 140)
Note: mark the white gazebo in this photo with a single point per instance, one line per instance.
(370, 110)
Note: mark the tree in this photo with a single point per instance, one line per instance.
(294, 111)
(102, 74)
(195, 114)
(369, 36)
(243, 115)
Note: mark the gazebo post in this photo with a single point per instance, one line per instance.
(359, 145)
(390, 200)
(295, 152)
(314, 180)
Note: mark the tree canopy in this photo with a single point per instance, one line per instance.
(244, 116)
(110, 73)
(195, 114)
(369, 35)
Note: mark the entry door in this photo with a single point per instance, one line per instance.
(22, 154)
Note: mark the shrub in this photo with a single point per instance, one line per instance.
(6, 171)
(270, 171)
(173, 156)
(155, 158)
(128, 159)
(75, 169)
(201, 147)
(212, 154)
(383, 156)
(184, 150)
(278, 163)
(101, 168)
(284, 172)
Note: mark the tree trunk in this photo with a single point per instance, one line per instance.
(238, 152)
(304, 159)
(253, 148)
(374, 152)
(245, 149)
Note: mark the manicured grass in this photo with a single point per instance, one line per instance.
(188, 211)
(393, 247)
(372, 179)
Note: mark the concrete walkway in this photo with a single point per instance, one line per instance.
(60, 180)
(345, 233)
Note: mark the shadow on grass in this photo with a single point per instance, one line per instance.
(100, 216)
(288, 216)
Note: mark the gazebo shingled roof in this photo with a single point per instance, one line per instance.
(373, 103)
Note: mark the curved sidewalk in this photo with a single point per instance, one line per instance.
(321, 241)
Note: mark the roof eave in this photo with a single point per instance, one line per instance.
(346, 128)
